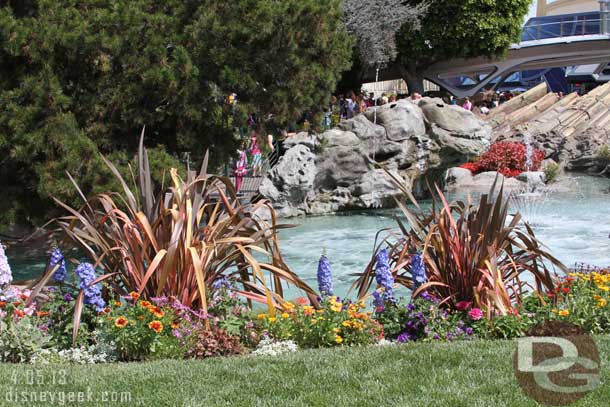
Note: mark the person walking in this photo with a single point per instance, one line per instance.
(257, 156)
(241, 167)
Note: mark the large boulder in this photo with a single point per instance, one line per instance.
(345, 168)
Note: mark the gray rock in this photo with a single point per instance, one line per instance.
(532, 178)
(341, 169)
(304, 138)
(458, 177)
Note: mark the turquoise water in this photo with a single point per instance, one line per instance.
(575, 226)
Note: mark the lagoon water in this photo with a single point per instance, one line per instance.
(575, 226)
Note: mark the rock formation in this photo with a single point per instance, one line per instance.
(342, 168)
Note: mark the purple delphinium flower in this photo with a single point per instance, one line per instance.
(57, 257)
(68, 297)
(325, 277)
(418, 271)
(92, 292)
(383, 275)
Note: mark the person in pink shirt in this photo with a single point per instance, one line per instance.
(467, 105)
(257, 156)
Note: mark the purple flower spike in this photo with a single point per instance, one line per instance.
(325, 277)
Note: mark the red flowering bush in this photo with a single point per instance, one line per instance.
(507, 158)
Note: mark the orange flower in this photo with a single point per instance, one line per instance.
(2, 304)
(23, 297)
(156, 326)
(17, 303)
(134, 295)
(106, 310)
(42, 313)
(145, 304)
(175, 325)
(117, 303)
(141, 317)
(157, 312)
(121, 322)
(19, 313)
(302, 301)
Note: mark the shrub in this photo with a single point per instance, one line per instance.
(216, 341)
(551, 172)
(584, 300)
(603, 153)
(335, 323)
(424, 319)
(471, 252)
(507, 158)
(140, 330)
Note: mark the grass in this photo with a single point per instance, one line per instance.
(477, 373)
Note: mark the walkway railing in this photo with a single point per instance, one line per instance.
(574, 26)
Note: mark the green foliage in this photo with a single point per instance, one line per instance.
(551, 172)
(20, 339)
(332, 325)
(603, 153)
(78, 78)
(460, 29)
(140, 330)
(279, 57)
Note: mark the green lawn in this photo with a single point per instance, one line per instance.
(477, 373)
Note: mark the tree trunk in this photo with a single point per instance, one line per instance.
(414, 79)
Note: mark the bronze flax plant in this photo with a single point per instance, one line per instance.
(472, 252)
(179, 241)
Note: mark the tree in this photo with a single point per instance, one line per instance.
(458, 29)
(280, 57)
(79, 78)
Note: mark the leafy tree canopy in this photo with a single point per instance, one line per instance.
(82, 77)
(459, 29)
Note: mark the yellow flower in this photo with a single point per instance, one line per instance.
(336, 330)
(261, 316)
(285, 315)
(554, 311)
(346, 323)
(564, 313)
(601, 303)
(336, 307)
(338, 339)
(313, 321)
(117, 303)
(320, 311)
(308, 310)
(597, 297)
(604, 287)
(272, 320)
(288, 306)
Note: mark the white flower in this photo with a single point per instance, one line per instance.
(6, 276)
(384, 342)
(269, 347)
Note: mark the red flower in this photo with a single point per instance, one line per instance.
(302, 301)
(565, 290)
(41, 313)
(2, 304)
(19, 313)
(463, 305)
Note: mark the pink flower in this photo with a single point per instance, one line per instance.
(475, 314)
(463, 305)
